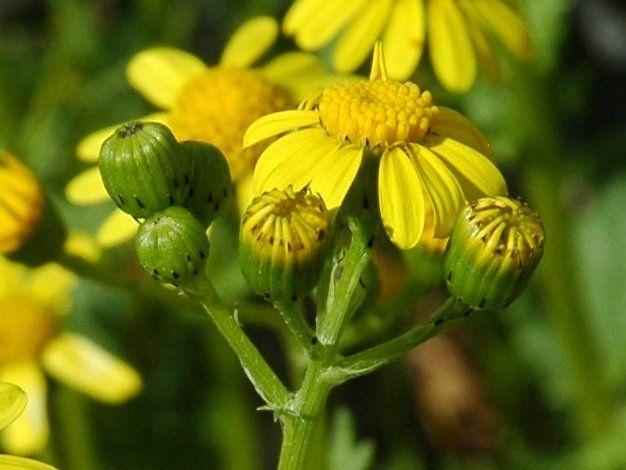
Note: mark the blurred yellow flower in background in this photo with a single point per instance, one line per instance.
(12, 403)
(32, 302)
(432, 158)
(21, 202)
(213, 104)
(458, 34)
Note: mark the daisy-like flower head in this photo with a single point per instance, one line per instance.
(32, 302)
(457, 30)
(213, 104)
(432, 158)
(21, 202)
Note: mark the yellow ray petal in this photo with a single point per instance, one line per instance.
(477, 175)
(451, 123)
(401, 198)
(315, 22)
(487, 60)
(299, 72)
(355, 44)
(335, 172)
(161, 73)
(443, 190)
(118, 228)
(292, 160)
(403, 41)
(11, 462)
(507, 25)
(12, 403)
(82, 364)
(86, 188)
(51, 285)
(277, 123)
(88, 149)
(28, 434)
(249, 42)
(451, 51)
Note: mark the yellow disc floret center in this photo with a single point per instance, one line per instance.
(377, 113)
(26, 326)
(219, 105)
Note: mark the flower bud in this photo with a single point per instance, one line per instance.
(142, 168)
(210, 187)
(282, 241)
(172, 246)
(494, 248)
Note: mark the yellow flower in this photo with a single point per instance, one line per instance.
(12, 403)
(21, 202)
(213, 104)
(31, 305)
(431, 158)
(458, 39)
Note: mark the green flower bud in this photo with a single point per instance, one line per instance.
(211, 187)
(494, 248)
(282, 241)
(172, 246)
(143, 170)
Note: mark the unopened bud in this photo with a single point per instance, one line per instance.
(142, 169)
(210, 187)
(172, 246)
(494, 248)
(283, 235)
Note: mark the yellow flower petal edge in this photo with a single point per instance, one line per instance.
(118, 228)
(278, 123)
(11, 462)
(28, 434)
(87, 188)
(451, 123)
(357, 41)
(12, 403)
(160, 74)
(402, 212)
(450, 47)
(82, 364)
(403, 40)
(250, 42)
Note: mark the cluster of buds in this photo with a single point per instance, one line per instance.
(175, 190)
(493, 251)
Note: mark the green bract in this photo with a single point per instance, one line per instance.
(143, 170)
(210, 187)
(494, 248)
(172, 246)
(283, 235)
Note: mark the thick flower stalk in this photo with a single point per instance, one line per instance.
(432, 159)
(495, 247)
(458, 34)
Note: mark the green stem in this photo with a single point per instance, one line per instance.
(344, 279)
(263, 378)
(558, 268)
(300, 421)
(293, 317)
(371, 359)
(78, 444)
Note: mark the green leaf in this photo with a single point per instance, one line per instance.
(346, 452)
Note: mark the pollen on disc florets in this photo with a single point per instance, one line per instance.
(25, 329)
(218, 106)
(377, 112)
